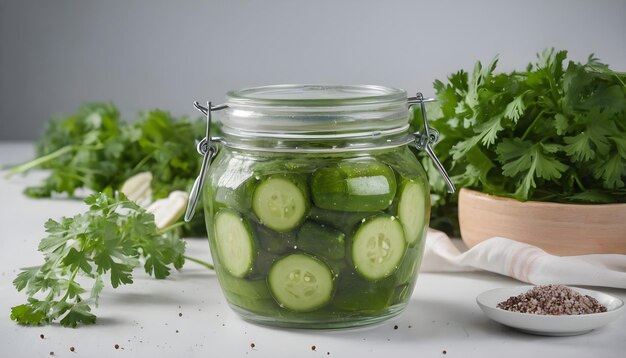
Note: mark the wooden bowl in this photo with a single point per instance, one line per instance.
(559, 229)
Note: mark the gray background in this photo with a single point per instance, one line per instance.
(147, 54)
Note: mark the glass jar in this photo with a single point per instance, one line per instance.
(316, 207)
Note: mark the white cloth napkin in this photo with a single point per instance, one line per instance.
(524, 262)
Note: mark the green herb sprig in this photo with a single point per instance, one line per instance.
(95, 149)
(554, 132)
(85, 252)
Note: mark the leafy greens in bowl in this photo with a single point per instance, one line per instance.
(554, 132)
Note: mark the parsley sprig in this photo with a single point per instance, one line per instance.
(554, 132)
(95, 148)
(84, 253)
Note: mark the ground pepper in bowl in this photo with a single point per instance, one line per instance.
(552, 300)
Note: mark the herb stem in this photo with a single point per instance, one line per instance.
(38, 161)
(143, 161)
(203, 263)
(579, 183)
(532, 124)
(69, 283)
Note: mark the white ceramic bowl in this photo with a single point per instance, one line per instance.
(562, 325)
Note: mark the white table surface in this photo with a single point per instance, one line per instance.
(442, 318)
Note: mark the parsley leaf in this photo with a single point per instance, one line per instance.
(526, 161)
(28, 314)
(79, 313)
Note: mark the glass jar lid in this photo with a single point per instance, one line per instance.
(315, 111)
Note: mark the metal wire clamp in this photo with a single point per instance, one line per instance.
(208, 150)
(424, 141)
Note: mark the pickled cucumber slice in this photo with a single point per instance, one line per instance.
(321, 241)
(378, 246)
(354, 186)
(235, 244)
(412, 209)
(273, 241)
(235, 195)
(280, 203)
(407, 270)
(254, 289)
(300, 282)
(354, 293)
(344, 221)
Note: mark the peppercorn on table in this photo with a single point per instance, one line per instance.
(187, 315)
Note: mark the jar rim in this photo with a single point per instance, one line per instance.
(322, 117)
(305, 110)
(314, 95)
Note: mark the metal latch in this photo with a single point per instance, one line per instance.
(208, 150)
(424, 141)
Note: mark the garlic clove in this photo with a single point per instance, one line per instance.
(167, 211)
(138, 189)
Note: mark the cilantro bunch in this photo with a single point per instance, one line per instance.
(95, 149)
(85, 252)
(554, 132)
